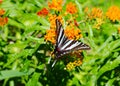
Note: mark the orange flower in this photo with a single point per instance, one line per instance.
(72, 65)
(1, 1)
(3, 21)
(95, 13)
(99, 22)
(50, 36)
(52, 19)
(2, 12)
(43, 12)
(72, 33)
(86, 10)
(71, 8)
(77, 62)
(56, 5)
(113, 13)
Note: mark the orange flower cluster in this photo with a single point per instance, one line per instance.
(86, 10)
(3, 20)
(77, 62)
(95, 13)
(113, 13)
(43, 12)
(50, 36)
(72, 65)
(71, 8)
(70, 31)
(73, 33)
(99, 22)
(56, 5)
(2, 12)
(1, 1)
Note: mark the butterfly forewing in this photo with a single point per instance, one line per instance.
(60, 32)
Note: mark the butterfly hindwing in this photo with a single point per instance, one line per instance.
(76, 45)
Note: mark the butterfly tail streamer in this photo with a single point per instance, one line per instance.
(49, 60)
(54, 63)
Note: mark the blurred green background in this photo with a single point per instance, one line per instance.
(24, 53)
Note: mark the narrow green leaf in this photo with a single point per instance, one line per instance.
(13, 73)
(110, 82)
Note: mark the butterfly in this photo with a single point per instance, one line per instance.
(64, 45)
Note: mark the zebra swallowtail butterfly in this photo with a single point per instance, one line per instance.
(64, 45)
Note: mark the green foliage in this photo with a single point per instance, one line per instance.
(24, 52)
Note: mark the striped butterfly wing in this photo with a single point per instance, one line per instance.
(64, 45)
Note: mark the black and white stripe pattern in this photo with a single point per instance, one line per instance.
(64, 45)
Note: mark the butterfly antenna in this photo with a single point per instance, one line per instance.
(54, 62)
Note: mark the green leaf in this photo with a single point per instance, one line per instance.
(13, 73)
